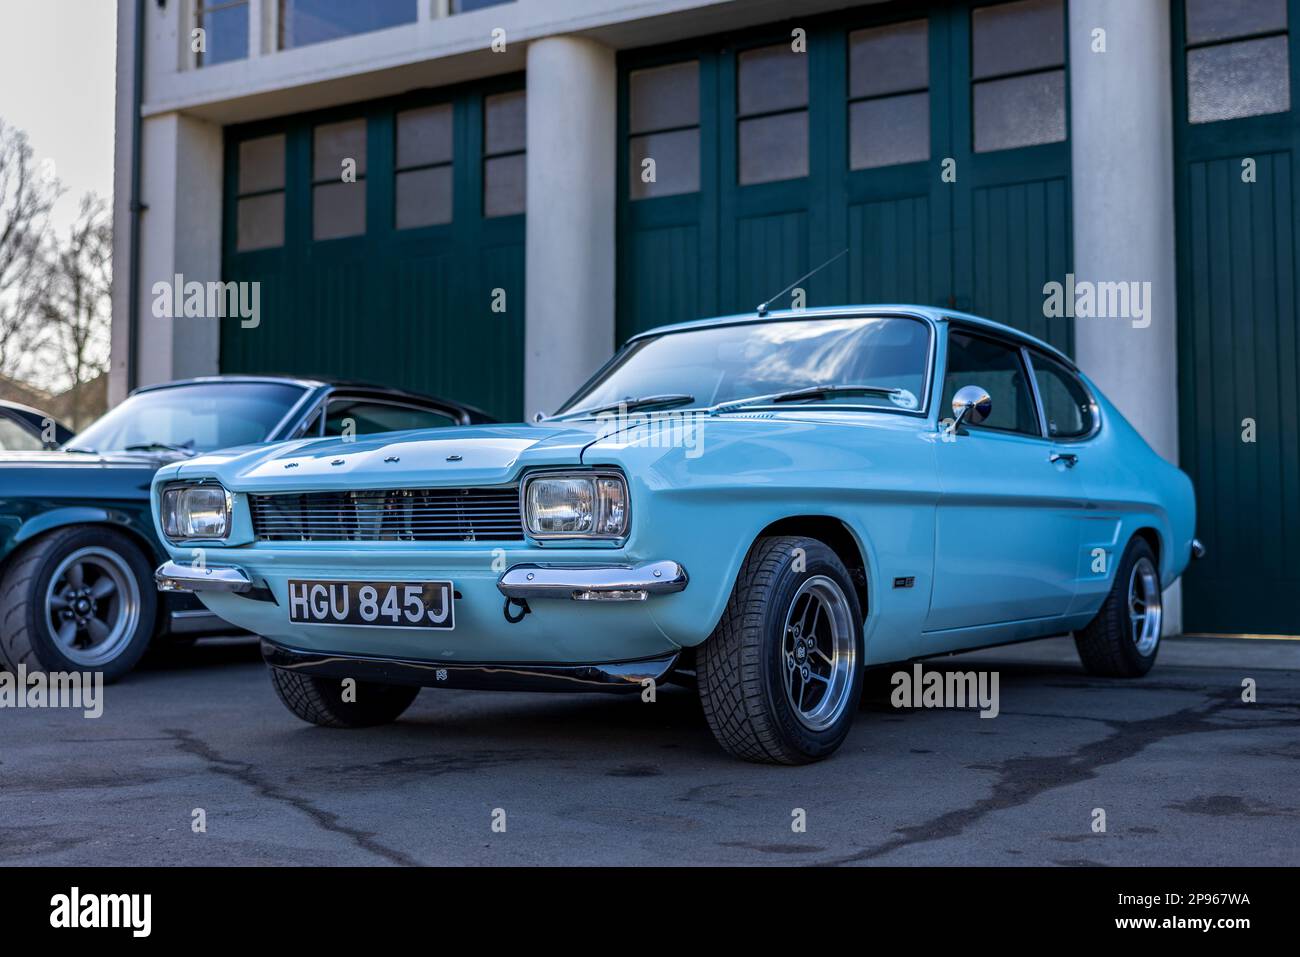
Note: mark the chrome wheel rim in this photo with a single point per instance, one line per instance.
(818, 653)
(1144, 612)
(92, 606)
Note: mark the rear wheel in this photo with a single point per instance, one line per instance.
(77, 599)
(327, 702)
(781, 676)
(1122, 641)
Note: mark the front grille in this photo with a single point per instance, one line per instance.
(390, 515)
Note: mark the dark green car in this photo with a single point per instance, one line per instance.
(77, 542)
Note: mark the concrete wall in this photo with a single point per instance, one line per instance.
(1122, 154)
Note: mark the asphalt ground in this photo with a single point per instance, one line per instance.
(1185, 771)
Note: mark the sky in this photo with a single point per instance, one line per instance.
(57, 76)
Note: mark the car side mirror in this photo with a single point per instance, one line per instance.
(970, 406)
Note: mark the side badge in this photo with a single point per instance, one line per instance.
(907, 582)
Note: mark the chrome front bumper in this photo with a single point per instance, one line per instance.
(173, 577)
(593, 582)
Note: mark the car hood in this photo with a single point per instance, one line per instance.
(464, 455)
(108, 475)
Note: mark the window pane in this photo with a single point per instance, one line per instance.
(226, 34)
(465, 6)
(505, 122)
(424, 136)
(504, 185)
(335, 142)
(1066, 403)
(259, 222)
(677, 163)
(664, 98)
(424, 197)
(1011, 37)
(14, 438)
(891, 130)
(338, 209)
(1222, 19)
(367, 418)
(311, 21)
(1232, 80)
(1020, 111)
(999, 371)
(261, 164)
(774, 147)
(889, 59)
(772, 78)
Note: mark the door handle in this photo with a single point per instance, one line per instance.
(1068, 458)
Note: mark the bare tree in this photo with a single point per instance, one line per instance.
(75, 304)
(26, 197)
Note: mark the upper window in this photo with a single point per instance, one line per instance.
(368, 416)
(1018, 72)
(259, 210)
(772, 114)
(466, 6)
(1066, 403)
(225, 31)
(424, 166)
(15, 438)
(664, 130)
(889, 95)
(338, 175)
(313, 21)
(1237, 63)
(998, 369)
(505, 160)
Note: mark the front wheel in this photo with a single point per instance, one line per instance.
(781, 676)
(329, 703)
(1122, 641)
(80, 598)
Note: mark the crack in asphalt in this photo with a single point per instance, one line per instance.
(1025, 778)
(189, 743)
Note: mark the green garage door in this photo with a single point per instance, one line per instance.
(1237, 140)
(388, 238)
(931, 143)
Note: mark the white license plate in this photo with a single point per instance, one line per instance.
(373, 604)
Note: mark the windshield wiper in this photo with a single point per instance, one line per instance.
(810, 392)
(632, 405)
(77, 448)
(160, 447)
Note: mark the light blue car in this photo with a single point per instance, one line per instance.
(758, 505)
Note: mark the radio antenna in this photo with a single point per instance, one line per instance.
(762, 306)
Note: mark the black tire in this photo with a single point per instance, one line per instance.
(1107, 645)
(319, 701)
(741, 684)
(26, 636)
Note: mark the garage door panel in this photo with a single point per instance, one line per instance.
(1239, 361)
(662, 273)
(889, 251)
(770, 253)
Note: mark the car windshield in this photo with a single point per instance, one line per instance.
(198, 418)
(878, 361)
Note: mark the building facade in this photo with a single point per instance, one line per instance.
(481, 198)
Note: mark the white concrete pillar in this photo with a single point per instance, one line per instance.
(572, 114)
(180, 234)
(1122, 164)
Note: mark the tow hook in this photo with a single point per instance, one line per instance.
(523, 610)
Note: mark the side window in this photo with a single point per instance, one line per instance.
(997, 369)
(15, 438)
(367, 416)
(1066, 402)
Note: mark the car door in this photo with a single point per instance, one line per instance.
(1009, 519)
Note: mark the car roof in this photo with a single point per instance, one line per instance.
(932, 313)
